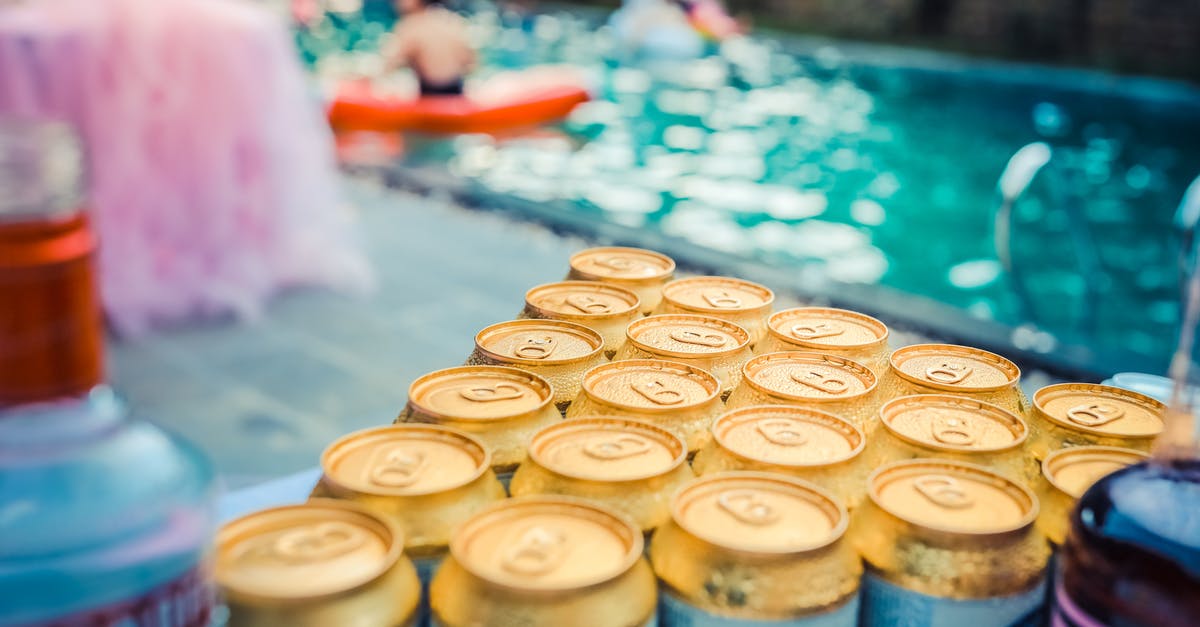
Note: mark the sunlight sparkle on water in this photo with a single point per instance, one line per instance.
(975, 274)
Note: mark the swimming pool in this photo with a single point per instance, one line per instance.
(866, 165)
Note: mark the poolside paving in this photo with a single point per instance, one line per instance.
(263, 398)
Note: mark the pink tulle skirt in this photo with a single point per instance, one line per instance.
(211, 178)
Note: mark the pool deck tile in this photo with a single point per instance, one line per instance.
(263, 398)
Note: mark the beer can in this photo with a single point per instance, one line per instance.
(322, 563)
(545, 562)
(680, 398)
(958, 370)
(1082, 414)
(425, 478)
(840, 386)
(712, 344)
(749, 548)
(557, 351)
(741, 302)
(623, 465)
(797, 441)
(603, 308)
(643, 272)
(830, 331)
(501, 406)
(948, 544)
(944, 426)
(1068, 473)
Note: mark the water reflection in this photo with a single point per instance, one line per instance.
(865, 173)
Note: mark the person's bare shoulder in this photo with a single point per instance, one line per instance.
(450, 20)
(407, 26)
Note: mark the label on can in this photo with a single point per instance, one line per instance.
(186, 601)
(676, 612)
(505, 479)
(885, 603)
(651, 622)
(425, 571)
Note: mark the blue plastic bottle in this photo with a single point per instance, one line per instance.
(103, 520)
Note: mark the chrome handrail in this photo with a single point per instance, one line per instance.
(1187, 216)
(1018, 176)
(1179, 434)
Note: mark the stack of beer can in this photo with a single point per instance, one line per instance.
(677, 454)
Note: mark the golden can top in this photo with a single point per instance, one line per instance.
(953, 422)
(788, 436)
(684, 335)
(650, 385)
(1074, 470)
(405, 460)
(952, 497)
(583, 300)
(717, 294)
(809, 376)
(759, 512)
(480, 392)
(320, 548)
(536, 342)
(607, 449)
(1100, 409)
(954, 368)
(824, 327)
(622, 264)
(546, 544)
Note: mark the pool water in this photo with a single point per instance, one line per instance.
(867, 165)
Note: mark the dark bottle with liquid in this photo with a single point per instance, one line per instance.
(1132, 556)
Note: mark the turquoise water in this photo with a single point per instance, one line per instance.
(862, 165)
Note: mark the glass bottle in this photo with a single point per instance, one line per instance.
(51, 330)
(104, 520)
(1132, 556)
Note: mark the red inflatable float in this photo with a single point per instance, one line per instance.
(358, 108)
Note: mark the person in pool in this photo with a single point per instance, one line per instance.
(711, 19)
(432, 40)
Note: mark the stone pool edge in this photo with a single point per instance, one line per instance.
(901, 309)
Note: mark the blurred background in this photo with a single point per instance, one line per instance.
(282, 233)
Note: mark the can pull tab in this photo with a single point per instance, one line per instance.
(489, 393)
(616, 448)
(948, 372)
(748, 506)
(688, 336)
(398, 468)
(537, 551)
(821, 381)
(317, 543)
(658, 392)
(620, 264)
(953, 431)
(535, 346)
(721, 299)
(943, 491)
(816, 330)
(1094, 414)
(782, 431)
(588, 304)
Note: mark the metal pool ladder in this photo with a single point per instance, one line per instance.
(1023, 167)
(1187, 217)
